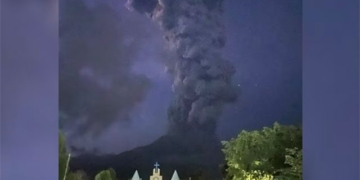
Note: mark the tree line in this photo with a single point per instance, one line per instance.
(273, 153)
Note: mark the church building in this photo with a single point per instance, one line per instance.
(156, 174)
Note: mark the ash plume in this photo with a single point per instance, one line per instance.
(97, 86)
(202, 85)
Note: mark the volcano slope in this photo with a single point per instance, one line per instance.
(187, 157)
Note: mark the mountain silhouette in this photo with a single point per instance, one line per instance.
(188, 157)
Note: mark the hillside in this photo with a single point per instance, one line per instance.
(171, 152)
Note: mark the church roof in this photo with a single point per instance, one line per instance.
(136, 176)
(175, 176)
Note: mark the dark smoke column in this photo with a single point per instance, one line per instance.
(195, 32)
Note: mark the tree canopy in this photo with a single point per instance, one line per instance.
(63, 156)
(272, 153)
(112, 173)
(78, 175)
(104, 175)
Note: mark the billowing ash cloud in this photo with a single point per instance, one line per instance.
(201, 76)
(97, 86)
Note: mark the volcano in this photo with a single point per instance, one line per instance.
(194, 33)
